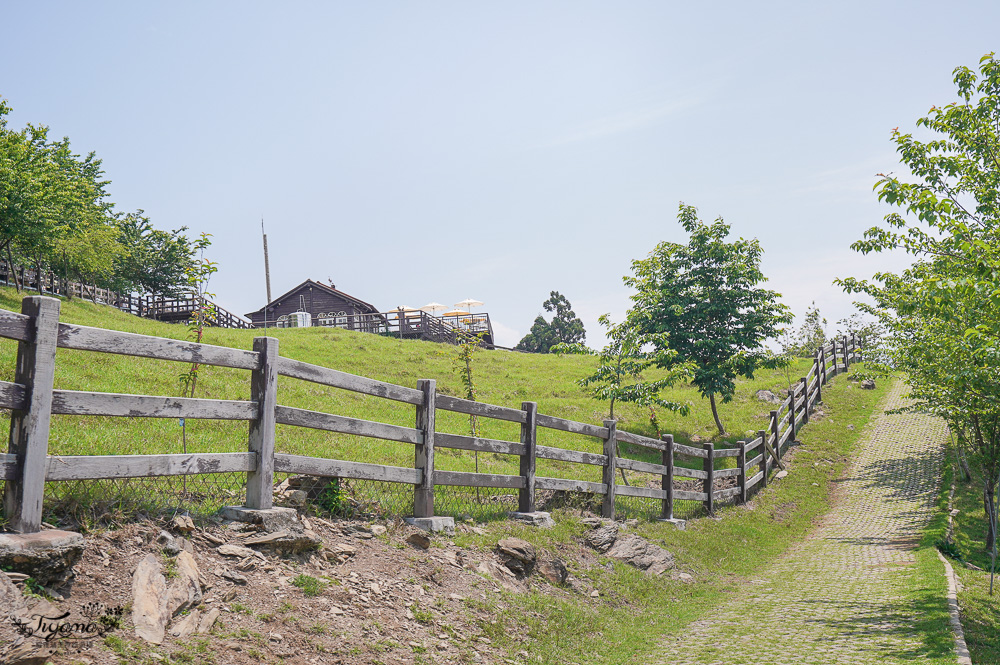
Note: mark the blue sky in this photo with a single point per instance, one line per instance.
(436, 151)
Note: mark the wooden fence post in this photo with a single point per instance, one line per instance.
(608, 475)
(763, 456)
(847, 355)
(805, 395)
(668, 477)
(529, 437)
(709, 467)
(423, 492)
(741, 464)
(791, 414)
(263, 391)
(29, 427)
(775, 431)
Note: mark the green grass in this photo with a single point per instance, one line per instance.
(502, 377)
(310, 585)
(980, 611)
(637, 611)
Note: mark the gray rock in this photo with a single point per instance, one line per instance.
(421, 540)
(868, 384)
(167, 544)
(603, 537)
(185, 589)
(767, 396)
(518, 555)
(287, 541)
(639, 552)
(47, 556)
(11, 600)
(538, 518)
(554, 570)
(149, 594)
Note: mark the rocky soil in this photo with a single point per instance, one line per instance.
(227, 592)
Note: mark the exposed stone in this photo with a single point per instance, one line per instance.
(518, 555)
(185, 589)
(554, 570)
(341, 552)
(378, 530)
(46, 556)
(444, 525)
(639, 552)
(538, 518)
(287, 541)
(781, 474)
(767, 396)
(11, 600)
(868, 384)
(232, 576)
(234, 550)
(208, 620)
(167, 544)
(182, 523)
(603, 537)
(297, 498)
(421, 540)
(149, 592)
(270, 519)
(187, 625)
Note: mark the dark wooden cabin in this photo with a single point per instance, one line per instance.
(326, 304)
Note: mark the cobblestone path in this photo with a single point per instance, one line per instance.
(838, 597)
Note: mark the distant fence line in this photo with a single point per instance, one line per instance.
(32, 399)
(148, 306)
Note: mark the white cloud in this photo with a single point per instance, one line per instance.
(505, 335)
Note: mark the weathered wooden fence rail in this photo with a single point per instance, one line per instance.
(31, 397)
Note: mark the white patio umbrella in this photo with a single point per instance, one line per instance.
(433, 307)
(470, 303)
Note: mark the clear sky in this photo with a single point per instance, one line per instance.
(437, 151)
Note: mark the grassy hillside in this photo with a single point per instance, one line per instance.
(502, 377)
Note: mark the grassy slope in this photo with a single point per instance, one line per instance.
(502, 377)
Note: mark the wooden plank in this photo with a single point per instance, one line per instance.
(462, 442)
(8, 466)
(563, 455)
(89, 467)
(29, 427)
(639, 440)
(644, 467)
(754, 479)
(286, 415)
(727, 473)
(85, 338)
(688, 450)
(811, 374)
(526, 464)
(337, 379)
(318, 466)
(480, 409)
(753, 445)
(463, 479)
(260, 441)
(569, 485)
(571, 426)
(15, 326)
(644, 492)
(726, 452)
(78, 403)
(681, 495)
(726, 493)
(689, 473)
(785, 436)
(12, 395)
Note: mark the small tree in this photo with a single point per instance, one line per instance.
(565, 327)
(703, 301)
(619, 377)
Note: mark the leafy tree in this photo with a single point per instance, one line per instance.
(619, 377)
(565, 327)
(703, 301)
(942, 315)
(151, 260)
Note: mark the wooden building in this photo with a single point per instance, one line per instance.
(324, 303)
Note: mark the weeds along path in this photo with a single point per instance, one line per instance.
(846, 593)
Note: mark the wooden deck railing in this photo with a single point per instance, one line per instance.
(32, 399)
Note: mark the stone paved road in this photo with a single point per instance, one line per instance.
(838, 596)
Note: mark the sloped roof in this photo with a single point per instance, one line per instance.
(324, 287)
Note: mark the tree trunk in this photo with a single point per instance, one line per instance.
(10, 262)
(990, 506)
(963, 464)
(715, 414)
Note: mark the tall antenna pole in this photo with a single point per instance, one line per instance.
(267, 270)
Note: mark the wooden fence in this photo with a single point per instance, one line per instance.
(32, 399)
(147, 306)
